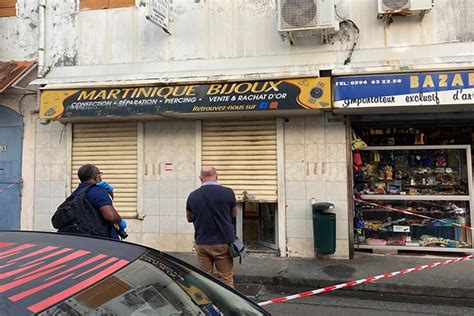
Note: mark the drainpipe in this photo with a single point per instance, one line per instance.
(41, 38)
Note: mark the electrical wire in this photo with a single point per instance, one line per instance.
(21, 100)
(62, 133)
(356, 40)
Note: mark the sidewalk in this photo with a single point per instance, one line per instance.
(455, 280)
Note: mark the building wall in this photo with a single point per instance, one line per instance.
(316, 167)
(315, 164)
(19, 35)
(165, 192)
(51, 185)
(210, 32)
(18, 41)
(216, 39)
(164, 224)
(206, 35)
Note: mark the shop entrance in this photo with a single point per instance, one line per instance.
(421, 167)
(244, 154)
(259, 226)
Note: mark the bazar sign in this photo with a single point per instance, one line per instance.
(415, 89)
(269, 95)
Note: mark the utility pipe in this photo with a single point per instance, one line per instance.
(41, 38)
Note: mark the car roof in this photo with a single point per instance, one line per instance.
(40, 269)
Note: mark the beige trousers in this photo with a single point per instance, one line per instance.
(218, 255)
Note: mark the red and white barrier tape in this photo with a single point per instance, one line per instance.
(413, 214)
(366, 280)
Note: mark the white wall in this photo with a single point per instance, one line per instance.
(316, 167)
(18, 35)
(218, 37)
(165, 192)
(50, 174)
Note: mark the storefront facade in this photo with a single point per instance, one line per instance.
(154, 151)
(274, 142)
(412, 139)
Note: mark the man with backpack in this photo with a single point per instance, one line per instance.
(89, 209)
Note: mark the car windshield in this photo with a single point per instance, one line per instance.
(155, 284)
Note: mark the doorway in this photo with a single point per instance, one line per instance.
(11, 143)
(259, 226)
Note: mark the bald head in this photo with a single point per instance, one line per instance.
(208, 174)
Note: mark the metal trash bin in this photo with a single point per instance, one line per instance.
(324, 228)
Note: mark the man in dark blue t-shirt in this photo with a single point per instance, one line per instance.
(211, 209)
(99, 196)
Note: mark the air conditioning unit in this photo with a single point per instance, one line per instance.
(404, 7)
(301, 17)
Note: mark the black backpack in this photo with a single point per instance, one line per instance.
(76, 215)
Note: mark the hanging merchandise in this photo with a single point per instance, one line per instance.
(357, 159)
(357, 142)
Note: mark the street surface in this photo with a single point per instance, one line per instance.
(352, 303)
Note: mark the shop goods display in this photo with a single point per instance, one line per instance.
(401, 136)
(379, 226)
(411, 171)
(433, 181)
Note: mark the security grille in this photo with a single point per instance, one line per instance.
(113, 148)
(245, 156)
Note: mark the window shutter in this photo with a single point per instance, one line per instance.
(245, 156)
(104, 4)
(7, 8)
(121, 3)
(113, 148)
(94, 4)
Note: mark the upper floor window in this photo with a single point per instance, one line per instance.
(7, 8)
(104, 4)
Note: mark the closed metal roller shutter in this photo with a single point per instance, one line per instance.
(245, 156)
(113, 148)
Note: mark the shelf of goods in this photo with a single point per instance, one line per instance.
(433, 181)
